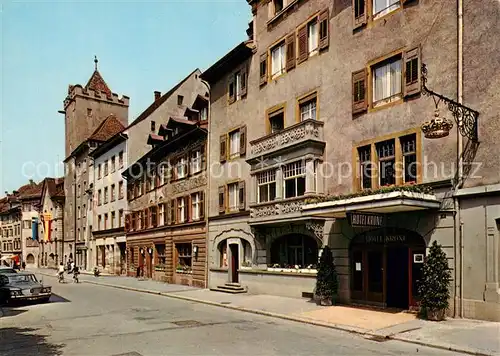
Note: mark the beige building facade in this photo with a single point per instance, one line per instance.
(315, 132)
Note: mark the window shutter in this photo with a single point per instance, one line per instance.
(359, 13)
(242, 194)
(173, 211)
(223, 148)
(202, 205)
(359, 95)
(263, 69)
(302, 44)
(222, 200)
(231, 90)
(324, 29)
(290, 52)
(187, 208)
(203, 157)
(243, 140)
(244, 79)
(127, 223)
(411, 74)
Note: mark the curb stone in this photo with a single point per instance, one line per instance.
(345, 328)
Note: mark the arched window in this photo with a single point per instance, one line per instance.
(30, 259)
(223, 254)
(294, 250)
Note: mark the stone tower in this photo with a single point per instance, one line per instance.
(86, 107)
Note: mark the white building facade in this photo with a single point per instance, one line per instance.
(109, 205)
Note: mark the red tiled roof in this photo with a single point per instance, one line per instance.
(55, 187)
(30, 190)
(107, 129)
(97, 83)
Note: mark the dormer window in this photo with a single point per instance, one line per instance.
(153, 126)
(204, 113)
(180, 99)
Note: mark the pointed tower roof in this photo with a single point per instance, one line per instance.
(96, 82)
(107, 129)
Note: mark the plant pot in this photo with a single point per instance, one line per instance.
(436, 314)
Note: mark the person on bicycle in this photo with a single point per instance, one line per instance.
(60, 271)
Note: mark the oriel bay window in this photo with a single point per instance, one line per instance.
(387, 80)
(294, 250)
(294, 179)
(393, 161)
(266, 182)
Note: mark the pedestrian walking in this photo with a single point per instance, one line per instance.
(24, 266)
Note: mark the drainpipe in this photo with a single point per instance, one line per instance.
(207, 161)
(460, 150)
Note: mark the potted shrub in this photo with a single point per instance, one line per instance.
(435, 283)
(327, 285)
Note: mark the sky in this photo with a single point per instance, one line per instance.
(141, 47)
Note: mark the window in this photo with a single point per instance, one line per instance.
(197, 206)
(84, 187)
(387, 81)
(139, 188)
(106, 168)
(152, 216)
(233, 197)
(79, 213)
(237, 85)
(278, 60)
(99, 171)
(234, 144)
(276, 6)
(120, 218)
(120, 159)
(161, 214)
(99, 222)
(365, 167)
(294, 250)
(383, 7)
(195, 161)
(89, 112)
(26, 225)
(153, 125)
(276, 120)
(313, 37)
(113, 192)
(204, 113)
(113, 217)
(113, 165)
(307, 108)
(180, 99)
(181, 210)
(409, 150)
(120, 190)
(105, 195)
(386, 162)
(163, 173)
(105, 221)
(84, 209)
(26, 207)
(181, 168)
(389, 167)
(266, 182)
(184, 259)
(78, 191)
(99, 197)
(294, 175)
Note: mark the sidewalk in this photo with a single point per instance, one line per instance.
(461, 335)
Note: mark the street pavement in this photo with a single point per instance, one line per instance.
(87, 319)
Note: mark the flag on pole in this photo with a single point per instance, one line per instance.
(34, 229)
(47, 224)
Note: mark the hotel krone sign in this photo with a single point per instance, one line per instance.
(365, 220)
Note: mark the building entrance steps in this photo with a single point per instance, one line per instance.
(232, 288)
(460, 335)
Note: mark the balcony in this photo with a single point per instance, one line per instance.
(306, 136)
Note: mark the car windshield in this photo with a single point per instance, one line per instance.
(25, 278)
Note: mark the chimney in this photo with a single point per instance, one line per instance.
(32, 182)
(157, 95)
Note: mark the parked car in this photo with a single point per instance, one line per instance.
(22, 286)
(5, 269)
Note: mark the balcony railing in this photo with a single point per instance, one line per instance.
(307, 130)
(278, 208)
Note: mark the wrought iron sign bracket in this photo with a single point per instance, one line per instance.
(465, 117)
